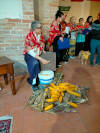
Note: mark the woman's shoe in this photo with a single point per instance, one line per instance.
(91, 64)
(66, 62)
(98, 64)
(72, 57)
(34, 88)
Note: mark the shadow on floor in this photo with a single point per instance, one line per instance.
(21, 82)
(20, 70)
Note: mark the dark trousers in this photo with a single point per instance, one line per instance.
(64, 55)
(61, 55)
(87, 42)
(95, 45)
(33, 66)
(79, 47)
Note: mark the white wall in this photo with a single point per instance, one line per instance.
(11, 9)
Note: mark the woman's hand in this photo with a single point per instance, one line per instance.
(50, 48)
(80, 31)
(45, 61)
(44, 51)
(63, 32)
(42, 60)
(43, 45)
(61, 39)
(69, 36)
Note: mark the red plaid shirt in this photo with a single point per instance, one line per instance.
(32, 42)
(72, 27)
(80, 26)
(63, 26)
(86, 25)
(54, 31)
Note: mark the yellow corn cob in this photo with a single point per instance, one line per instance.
(54, 86)
(73, 104)
(51, 88)
(63, 88)
(55, 98)
(73, 93)
(54, 92)
(51, 100)
(64, 84)
(73, 88)
(57, 88)
(48, 107)
(46, 89)
(60, 99)
(62, 93)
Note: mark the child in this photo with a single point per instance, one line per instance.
(80, 38)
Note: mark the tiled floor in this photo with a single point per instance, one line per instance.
(86, 120)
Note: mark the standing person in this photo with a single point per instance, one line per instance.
(55, 27)
(87, 30)
(81, 24)
(88, 22)
(55, 35)
(34, 45)
(66, 35)
(80, 37)
(73, 28)
(95, 41)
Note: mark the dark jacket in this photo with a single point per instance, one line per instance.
(95, 32)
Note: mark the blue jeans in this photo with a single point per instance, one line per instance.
(95, 45)
(33, 66)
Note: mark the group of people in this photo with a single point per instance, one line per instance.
(66, 39)
(78, 36)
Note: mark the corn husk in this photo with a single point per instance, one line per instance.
(61, 98)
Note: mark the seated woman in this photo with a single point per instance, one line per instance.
(34, 45)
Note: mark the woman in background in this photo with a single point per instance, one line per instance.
(73, 27)
(55, 28)
(88, 22)
(55, 34)
(80, 40)
(87, 30)
(95, 41)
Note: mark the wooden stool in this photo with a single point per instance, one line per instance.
(6, 67)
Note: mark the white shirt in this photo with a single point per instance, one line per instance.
(35, 51)
(37, 36)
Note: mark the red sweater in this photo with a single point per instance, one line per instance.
(32, 42)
